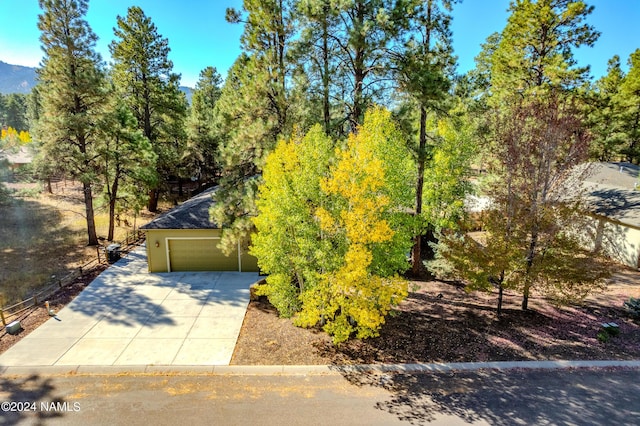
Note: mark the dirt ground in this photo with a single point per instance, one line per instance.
(457, 327)
(46, 234)
(30, 320)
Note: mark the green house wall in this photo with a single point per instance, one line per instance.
(172, 250)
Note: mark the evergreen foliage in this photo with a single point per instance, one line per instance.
(201, 154)
(604, 114)
(424, 66)
(127, 162)
(535, 47)
(72, 91)
(628, 101)
(253, 112)
(144, 78)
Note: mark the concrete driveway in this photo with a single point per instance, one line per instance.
(128, 316)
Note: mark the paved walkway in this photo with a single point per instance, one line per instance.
(129, 317)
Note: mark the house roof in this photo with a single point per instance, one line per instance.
(21, 156)
(192, 214)
(613, 190)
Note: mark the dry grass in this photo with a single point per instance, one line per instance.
(46, 235)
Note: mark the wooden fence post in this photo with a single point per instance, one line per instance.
(4, 322)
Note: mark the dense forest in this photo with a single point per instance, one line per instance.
(344, 135)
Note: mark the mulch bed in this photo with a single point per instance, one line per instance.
(438, 322)
(454, 327)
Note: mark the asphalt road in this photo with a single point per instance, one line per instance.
(496, 397)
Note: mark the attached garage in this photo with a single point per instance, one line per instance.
(186, 254)
(184, 239)
(614, 198)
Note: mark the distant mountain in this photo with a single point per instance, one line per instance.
(19, 79)
(16, 78)
(188, 91)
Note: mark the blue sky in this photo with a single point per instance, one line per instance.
(199, 36)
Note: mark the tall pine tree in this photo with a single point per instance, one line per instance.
(628, 102)
(144, 78)
(127, 161)
(604, 114)
(536, 47)
(71, 87)
(253, 111)
(203, 141)
(424, 67)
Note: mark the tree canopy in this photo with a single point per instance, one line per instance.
(143, 76)
(72, 82)
(333, 227)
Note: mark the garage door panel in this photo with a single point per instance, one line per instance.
(199, 255)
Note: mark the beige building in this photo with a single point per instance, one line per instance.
(185, 239)
(614, 201)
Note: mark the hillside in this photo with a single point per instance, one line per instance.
(16, 78)
(19, 79)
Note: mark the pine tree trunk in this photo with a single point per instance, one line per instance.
(325, 76)
(500, 292)
(525, 299)
(359, 71)
(416, 252)
(112, 209)
(153, 201)
(530, 256)
(91, 224)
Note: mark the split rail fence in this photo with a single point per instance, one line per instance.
(9, 313)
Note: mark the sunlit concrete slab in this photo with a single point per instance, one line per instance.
(215, 328)
(31, 351)
(150, 352)
(237, 280)
(202, 279)
(54, 328)
(131, 317)
(189, 293)
(122, 329)
(94, 352)
(153, 291)
(232, 297)
(234, 312)
(205, 352)
(181, 307)
(178, 328)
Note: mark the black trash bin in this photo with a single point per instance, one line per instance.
(113, 253)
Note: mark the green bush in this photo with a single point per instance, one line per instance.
(603, 336)
(28, 193)
(632, 306)
(5, 194)
(607, 331)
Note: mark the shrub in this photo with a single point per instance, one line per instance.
(607, 331)
(603, 336)
(632, 306)
(5, 194)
